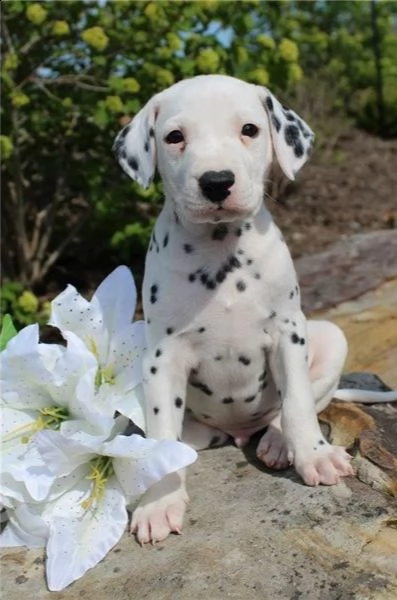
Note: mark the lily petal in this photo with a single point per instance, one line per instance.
(125, 355)
(80, 538)
(115, 298)
(25, 527)
(63, 455)
(132, 405)
(141, 462)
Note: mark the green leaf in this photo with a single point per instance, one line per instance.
(8, 331)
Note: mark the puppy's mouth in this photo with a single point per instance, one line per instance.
(218, 214)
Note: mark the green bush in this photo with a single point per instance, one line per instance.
(24, 307)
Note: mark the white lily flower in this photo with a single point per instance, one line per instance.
(87, 521)
(105, 326)
(44, 386)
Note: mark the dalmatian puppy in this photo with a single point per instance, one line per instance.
(229, 351)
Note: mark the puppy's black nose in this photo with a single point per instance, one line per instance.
(215, 185)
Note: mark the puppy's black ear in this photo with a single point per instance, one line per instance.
(292, 138)
(135, 145)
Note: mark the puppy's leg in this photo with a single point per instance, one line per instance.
(199, 435)
(161, 509)
(302, 441)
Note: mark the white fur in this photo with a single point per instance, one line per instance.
(220, 293)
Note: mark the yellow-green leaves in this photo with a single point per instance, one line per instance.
(60, 28)
(28, 302)
(96, 38)
(6, 147)
(19, 99)
(208, 60)
(288, 50)
(36, 13)
(114, 103)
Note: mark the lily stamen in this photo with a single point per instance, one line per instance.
(101, 471)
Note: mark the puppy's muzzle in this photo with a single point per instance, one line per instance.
(215, 185)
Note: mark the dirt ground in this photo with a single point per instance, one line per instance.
(353, 191)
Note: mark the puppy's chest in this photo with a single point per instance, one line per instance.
(226, 289)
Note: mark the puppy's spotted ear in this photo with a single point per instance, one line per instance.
(135, 147)
(292, 138)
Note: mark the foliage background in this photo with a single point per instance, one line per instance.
(74, 72)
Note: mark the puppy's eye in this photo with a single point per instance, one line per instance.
(174, 137)
(250, 130)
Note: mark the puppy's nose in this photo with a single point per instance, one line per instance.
(215, 185)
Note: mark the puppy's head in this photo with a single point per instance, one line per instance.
(212, 138)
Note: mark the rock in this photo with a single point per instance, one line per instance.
(363, 381)
(351, 267)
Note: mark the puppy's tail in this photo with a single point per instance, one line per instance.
(364, 396)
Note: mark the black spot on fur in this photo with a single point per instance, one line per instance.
(249, 261)
(306, 133)
(269, 103)
(220, 276)
(302, 341)
(147, 146)
(159, 352)
(156, 410)
(273, 315)
(165, 241)
(202, 387)
(218, 357)
(291, 135)
(241, 286)
(169, 330)
(291, 294)
(192, 277)
(239, 232)
(276, 123)
(263, 375)
(250, 399)
(178, 402)
(220, 232)
(289, 116)
(321, 442)
(247, 226)
(153, 293)
(133, 163)
(210, 285)
(244, 360)
(298, 150)
(257, 275)
(234, 262)
(153, 370)
(295, 339)
(203, 278)
(151, 132)
(227, 401)
(201, 330)
(188, 248)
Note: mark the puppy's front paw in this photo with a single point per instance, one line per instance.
(160, 511)
(324, 464)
